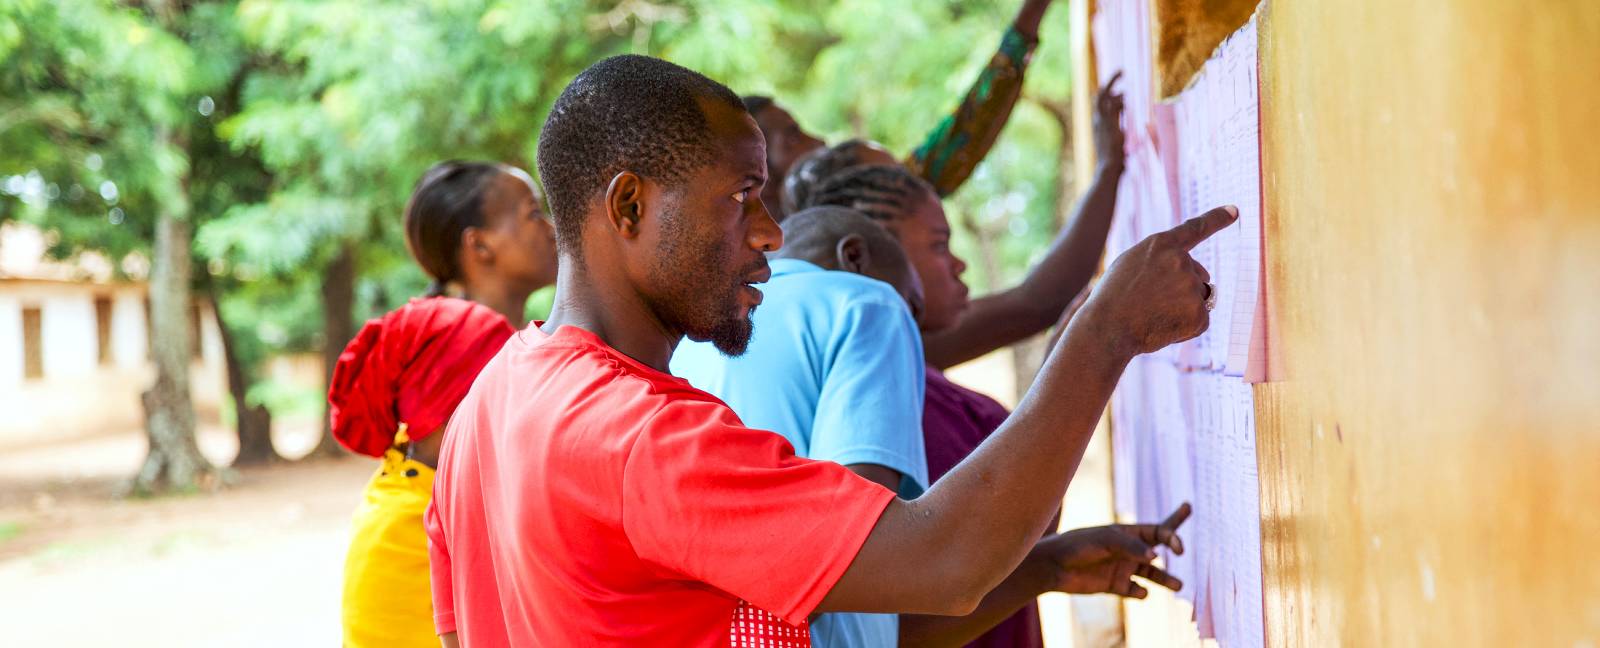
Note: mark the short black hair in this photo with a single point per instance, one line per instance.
(881, 191)
(624, 113)
(816, 232)
(756, 103)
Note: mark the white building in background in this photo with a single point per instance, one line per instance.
(74, 345)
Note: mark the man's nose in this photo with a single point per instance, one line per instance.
(765, 235)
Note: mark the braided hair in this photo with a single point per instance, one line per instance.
(813, 168)
(883, 192)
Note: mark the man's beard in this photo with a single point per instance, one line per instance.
(731, 336)
(702, 299)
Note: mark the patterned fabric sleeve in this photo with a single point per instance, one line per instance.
(961, 140)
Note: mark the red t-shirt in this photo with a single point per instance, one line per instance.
(583, 499)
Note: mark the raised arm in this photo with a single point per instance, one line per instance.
(977, 523)
(962, 139)
(1010, 316)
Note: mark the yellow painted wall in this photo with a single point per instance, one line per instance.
(1430, 466)
(1430, 471)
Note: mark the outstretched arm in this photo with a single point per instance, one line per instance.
(962, 139)
(1010, 316)
(976, 524)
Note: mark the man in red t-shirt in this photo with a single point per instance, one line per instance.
(586, 497)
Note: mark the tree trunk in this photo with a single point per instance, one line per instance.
(252, 423)
(1066, 163)
(338, 327)
(988, 256)
(1028, 355)
(174, 461)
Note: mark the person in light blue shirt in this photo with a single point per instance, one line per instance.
(835, 366)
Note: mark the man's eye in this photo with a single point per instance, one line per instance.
(741, 195)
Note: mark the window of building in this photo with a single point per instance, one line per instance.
(102, 325)
(32, 344)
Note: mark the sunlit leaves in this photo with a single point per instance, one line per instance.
(278, 236)
(323, 113)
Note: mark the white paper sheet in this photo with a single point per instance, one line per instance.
(1183, 421)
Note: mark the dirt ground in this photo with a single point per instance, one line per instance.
(255, 564)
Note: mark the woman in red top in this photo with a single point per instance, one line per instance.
(479, 231)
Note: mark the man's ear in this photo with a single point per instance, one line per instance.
(852, 254)
(624, 202)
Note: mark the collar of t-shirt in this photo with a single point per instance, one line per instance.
(782, 267)
(567, 335)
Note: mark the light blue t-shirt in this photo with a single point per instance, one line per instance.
(835, 366)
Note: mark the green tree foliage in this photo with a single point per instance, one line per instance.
(97, 92)
(897, 68)
(295, 129)
(85, 89)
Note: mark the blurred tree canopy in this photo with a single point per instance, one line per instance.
(288, 133)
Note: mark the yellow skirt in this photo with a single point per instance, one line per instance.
(387, 596)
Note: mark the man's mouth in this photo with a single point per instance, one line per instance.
(748, 286)
(752, 293)
(760, 275)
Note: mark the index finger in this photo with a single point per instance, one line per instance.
(1155, 535)
(1178, 517)
(1195, 230)
(1111, 81)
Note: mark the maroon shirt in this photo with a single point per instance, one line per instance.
(954, 421)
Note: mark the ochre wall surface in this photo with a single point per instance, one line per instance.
(1430, 467)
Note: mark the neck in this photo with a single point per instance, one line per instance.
(620, 318)
(504, 299)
